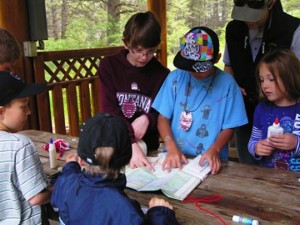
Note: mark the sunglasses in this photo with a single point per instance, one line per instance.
(254, 4)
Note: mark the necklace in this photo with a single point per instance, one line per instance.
(186, 117)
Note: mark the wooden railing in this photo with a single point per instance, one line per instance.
(73, 91)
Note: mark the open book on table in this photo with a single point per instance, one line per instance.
(176, 184)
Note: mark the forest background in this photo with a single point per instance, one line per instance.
(80, 24)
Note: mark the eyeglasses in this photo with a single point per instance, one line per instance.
(148, 53)
(254, 4)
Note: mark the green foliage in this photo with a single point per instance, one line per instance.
(292, 7)
(95, 23)
(88, 23)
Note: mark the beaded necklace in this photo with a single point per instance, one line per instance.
(186, 117)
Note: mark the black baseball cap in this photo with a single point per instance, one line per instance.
(13, 87)
(105, 130)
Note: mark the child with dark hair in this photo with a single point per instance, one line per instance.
(278, 76)
(198, 95)
(130, 81)
(96, 195)
(9, 50)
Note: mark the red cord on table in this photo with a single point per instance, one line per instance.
(209, 199)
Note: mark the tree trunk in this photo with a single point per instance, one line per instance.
(113, 18)
(64, 18)
(53, 26)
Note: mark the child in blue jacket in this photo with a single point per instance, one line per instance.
(96, 195)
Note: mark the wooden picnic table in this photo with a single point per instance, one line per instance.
(269, 195)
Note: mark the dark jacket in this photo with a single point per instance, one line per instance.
(278, 33)
(83, 199)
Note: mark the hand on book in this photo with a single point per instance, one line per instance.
(138, 158)
(213, 158)
(174, 159)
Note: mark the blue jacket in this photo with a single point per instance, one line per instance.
(85, 199)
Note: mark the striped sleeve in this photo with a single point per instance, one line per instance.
(256, 136)
(29, 171)
(21, 178)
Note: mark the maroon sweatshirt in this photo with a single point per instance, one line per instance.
(128, 91)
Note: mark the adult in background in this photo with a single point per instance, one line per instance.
(130, 81)
(257, 27)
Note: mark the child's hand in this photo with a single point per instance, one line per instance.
(213, 158)
(138, 159)
(159, 202)
(264, 148)
(174, 159)
(72, 157)
(286, 141)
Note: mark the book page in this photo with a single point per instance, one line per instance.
(180, 185)
(193, 168)
(139, 177)
(177, 184)
(142, 179)
(160, 182)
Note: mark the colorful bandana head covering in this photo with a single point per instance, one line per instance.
(199, 48)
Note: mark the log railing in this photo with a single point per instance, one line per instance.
(73, 91)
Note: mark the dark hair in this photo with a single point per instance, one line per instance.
(285, 66)
(9, 47)
(142, 29)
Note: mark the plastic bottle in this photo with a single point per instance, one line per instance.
(275, 128)
(244, 220)
(52, 155)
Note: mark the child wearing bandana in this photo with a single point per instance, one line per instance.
(130, 81)
(199, 104)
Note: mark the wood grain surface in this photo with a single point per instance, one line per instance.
(271, 196)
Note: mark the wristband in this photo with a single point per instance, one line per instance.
(167, 138)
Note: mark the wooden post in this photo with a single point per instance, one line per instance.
(14, 18)
(159, 8)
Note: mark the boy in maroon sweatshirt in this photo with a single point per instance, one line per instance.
(130, 81)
